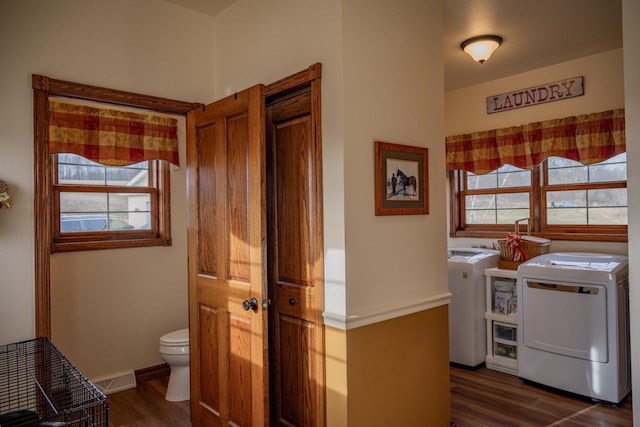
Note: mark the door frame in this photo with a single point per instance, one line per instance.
(43, 88)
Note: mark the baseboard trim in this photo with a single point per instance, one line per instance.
(115, 383)
(152, 372)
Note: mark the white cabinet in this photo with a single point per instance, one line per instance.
(502, 320)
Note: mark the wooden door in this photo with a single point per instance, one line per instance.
(227, 250)
(295, 267)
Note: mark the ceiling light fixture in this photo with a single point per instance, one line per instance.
(480, 48)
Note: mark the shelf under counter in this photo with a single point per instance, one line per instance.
(501, 325)
(506, 318)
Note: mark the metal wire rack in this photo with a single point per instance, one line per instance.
(40, 387)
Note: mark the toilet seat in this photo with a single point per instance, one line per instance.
(176, 338)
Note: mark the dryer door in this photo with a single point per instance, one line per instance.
(565, 318)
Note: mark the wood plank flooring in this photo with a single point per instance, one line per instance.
(145, 406)
(485, 397)
(480, 398)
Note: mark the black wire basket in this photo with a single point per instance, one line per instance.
(40, 387)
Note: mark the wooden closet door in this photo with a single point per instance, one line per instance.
(295, 268)
(227, 251)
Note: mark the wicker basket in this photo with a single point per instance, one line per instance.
(530, 247)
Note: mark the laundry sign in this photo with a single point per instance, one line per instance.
(542, 94)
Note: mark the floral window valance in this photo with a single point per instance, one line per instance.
(111, 137)
(587, 138)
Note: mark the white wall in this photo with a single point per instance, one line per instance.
(111, 306)
(631, 38)
(465, 111)
(261, 42)
(393, 92)
(381, 71)
(108, 308)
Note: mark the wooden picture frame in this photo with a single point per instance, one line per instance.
(402, 179)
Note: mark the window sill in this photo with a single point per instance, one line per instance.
(590, 237)
(109, 244)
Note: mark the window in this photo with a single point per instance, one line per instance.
(109, 175)
(499, 197)
(564, 199)
(595, 195)
(96, 205)
(102, 173)
(43, 89)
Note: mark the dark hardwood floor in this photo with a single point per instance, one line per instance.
(480, 398)
(145, 406)
(485, 397)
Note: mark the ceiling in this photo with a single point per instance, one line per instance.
(536, 33)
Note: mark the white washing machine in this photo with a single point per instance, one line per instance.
(467, 327)
(574, 324)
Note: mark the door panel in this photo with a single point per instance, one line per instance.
(206, 207)
(209, 389)
(295, 261)
(297, 338)
(239, 369)
(227, 250)
(237, 198)
(293, 214)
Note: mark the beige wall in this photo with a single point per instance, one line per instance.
(397, 348)
(336, 376)
(631, 34)
(398, 372)
(393, 92)
(382, 80)
(109, 307)
(465, 111)
(168, 53)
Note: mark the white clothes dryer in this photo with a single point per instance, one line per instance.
(574, 324)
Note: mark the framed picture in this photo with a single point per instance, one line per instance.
(402, 179)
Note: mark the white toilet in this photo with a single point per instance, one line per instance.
(174, 349)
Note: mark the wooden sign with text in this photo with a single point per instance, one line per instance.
(542, 94)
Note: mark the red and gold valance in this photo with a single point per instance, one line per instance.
(587, 138)
(111, 137)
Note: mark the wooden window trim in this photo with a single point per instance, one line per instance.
(158, 235)
(43, 88)
(538, 189)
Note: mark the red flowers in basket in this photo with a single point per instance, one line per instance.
(514, 241)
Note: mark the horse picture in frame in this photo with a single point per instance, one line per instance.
(401, 174)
